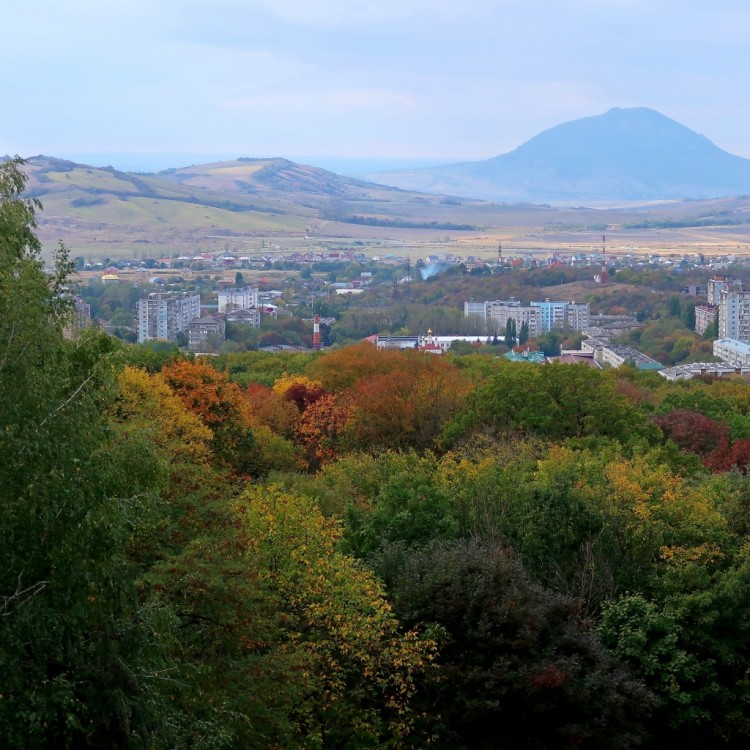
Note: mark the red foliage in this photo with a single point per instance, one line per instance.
(695, 433)
(303, 395)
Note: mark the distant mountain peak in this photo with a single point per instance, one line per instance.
(626, 153)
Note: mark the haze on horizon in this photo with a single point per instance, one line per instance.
(147, 84)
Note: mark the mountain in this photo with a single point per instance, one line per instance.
(623, 154)
(211, 206)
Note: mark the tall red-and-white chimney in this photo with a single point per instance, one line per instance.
(316, 332)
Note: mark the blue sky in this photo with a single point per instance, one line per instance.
(169, 82)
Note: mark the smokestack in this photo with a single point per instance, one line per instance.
(316, 333)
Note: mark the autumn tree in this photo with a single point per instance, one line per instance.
(406, 407)
(221, 407)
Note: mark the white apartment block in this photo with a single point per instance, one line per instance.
(734, 314)
(499, 313)
(162, 315)
(714, 288)
(555, 315)
(540, 317)
(238, 299)
(733, 352)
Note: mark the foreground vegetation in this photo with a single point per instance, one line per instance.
(360, 548)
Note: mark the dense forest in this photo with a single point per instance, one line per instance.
(359, 548)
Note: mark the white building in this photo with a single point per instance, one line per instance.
(733, 352)
(249, 317)
(499, 313)
(734, 314)
(162, 315)
(556, 315)
(715, 286)
(238, 299)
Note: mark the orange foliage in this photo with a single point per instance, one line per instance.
(207, 392)
(409, 406)
(320, 429)
(342, 368)
(271, 410)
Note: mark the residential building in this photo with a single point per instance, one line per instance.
(715, 286)
(206, 334)
(733, 352)
(498, 314)
(705, 315)
(80, 318)
(616, 355)
(249, 317)
(162, 315)
(694, 369)
(556, 315)
(238, 299)
(476, 309)
(734, 313)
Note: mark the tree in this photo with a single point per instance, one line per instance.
(221, 407)
(239, 279)
(517, 665)
(78, 654)
(712, 330)
(688, 316)
(510, 332)
(294, 643)
(523, 336)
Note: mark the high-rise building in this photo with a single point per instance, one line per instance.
(556, 315)
(734, 313)
(162, 315)
(714, 287)
(540, 317)
(499, 313)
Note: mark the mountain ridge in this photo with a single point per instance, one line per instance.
(625, 154)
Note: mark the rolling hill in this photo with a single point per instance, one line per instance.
(623, 155)
(233, 205)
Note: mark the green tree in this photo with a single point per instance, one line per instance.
(517, 666)
(712, 330)
(78, 656)
(688, 316)
(523, 336)
(510, 332)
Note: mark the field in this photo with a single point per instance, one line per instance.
(245, 206)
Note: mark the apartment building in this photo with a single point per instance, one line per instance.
(705, 315)
(162, 315)
(206, 334)
(556, 315)
(238, 299)
(734, 313)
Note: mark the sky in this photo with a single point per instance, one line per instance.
(145, 84)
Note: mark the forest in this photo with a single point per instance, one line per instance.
(358, 548)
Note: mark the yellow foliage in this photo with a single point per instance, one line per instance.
(147, 402)
(283, 384)
(335, 610)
